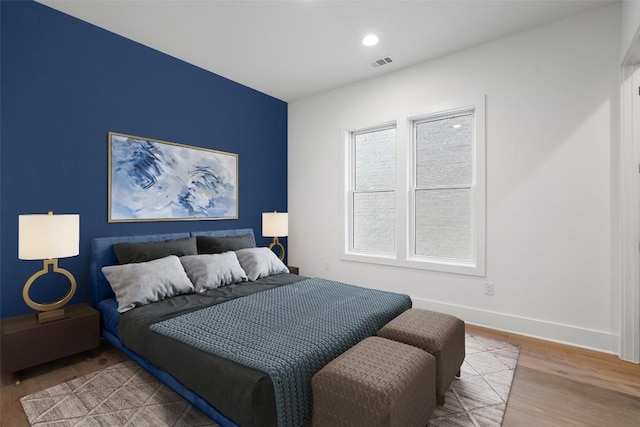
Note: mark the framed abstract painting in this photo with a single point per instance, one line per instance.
(152, 180)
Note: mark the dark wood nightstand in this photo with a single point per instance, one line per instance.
(293, 270)
(27, 343)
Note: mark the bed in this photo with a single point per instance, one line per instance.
(244, 352)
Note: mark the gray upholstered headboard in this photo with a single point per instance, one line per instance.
(102, 254)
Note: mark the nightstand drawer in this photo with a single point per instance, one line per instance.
(293, 270)
(27, 343)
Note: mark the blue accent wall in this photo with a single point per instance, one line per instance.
(64, 85)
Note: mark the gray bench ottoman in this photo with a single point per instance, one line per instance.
(439, 334)
(376, 383)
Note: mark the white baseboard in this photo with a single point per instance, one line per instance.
(534, 328)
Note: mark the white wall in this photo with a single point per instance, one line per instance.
(552, 111)
(630, 29)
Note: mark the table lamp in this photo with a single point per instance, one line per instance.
(48, 237)
(275, 224)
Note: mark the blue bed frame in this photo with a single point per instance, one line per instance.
(101, 255)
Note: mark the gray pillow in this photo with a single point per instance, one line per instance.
(260, 262)
(211, 271)
(218, 245)
(146, 282)
(148, 251)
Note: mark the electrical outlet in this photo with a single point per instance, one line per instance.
(488, 288)
(326, 266)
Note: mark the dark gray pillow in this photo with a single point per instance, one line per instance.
(148, 251)
(218, 245)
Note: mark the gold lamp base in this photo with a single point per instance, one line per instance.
(277, 243)
(51, 316)
(49, 312)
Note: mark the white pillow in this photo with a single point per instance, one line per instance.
(142, 283)
(214, 270)
(260, 262)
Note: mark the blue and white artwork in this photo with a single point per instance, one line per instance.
(151, 180)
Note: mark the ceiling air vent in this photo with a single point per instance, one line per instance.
(380, 62)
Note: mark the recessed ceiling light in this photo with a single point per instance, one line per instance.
(457, 126)
(370, 40)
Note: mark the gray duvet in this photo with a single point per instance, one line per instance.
(242, 394)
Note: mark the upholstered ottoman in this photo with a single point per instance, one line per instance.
(440, 334)
(378, 382)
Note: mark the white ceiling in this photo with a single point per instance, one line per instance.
(292, 49)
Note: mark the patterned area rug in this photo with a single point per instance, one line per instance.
(126, 395)
(479, 397)
(120, 395)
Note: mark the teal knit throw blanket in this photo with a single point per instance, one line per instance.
(289, 332)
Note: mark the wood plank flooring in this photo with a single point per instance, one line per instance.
(560, 385)
(554, 384)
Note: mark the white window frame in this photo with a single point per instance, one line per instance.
(475, 265)
(351, 191)
(404, 194)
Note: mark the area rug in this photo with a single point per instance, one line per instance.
(126, 395)
(479, 397)
(120, 395)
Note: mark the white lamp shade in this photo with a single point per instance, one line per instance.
(275, 224)
(48, 236)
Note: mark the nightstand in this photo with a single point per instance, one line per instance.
(293, 270)
(27, 343)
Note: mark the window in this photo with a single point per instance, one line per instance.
(415, 194)
(373, 191)
(442, 193)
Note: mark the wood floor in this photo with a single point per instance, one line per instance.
(559, 385)
(554, 385)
